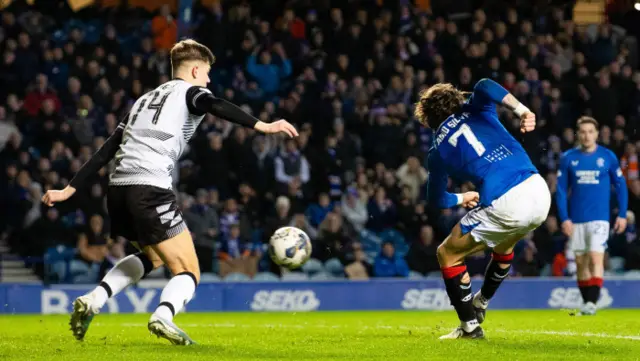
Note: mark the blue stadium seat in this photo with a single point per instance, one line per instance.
(334, 266)
(546, 271)
(266, 277)
(616, 264)
(434, 274)
(413, 275)
(83, 273)
(294, 276)
(56, 263)
(392, 235)
(322, 276)
(236, 277)
(312, 266)
(632, 275)
(209, 277)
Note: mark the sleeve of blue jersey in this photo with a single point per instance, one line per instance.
(620, 184)
(437, 184)
(487, 93)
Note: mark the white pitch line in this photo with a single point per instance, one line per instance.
(390, 327)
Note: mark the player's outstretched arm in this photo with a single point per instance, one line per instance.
(487, 91)
(201, 100)
(97, 161)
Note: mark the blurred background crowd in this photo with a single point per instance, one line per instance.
(346, 73)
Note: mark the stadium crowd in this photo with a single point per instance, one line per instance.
(347, 77)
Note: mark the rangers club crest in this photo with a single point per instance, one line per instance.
(600, 162)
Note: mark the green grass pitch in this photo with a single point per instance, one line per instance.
(388, 336)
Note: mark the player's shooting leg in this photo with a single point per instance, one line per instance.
(496, 272)
(451, 254)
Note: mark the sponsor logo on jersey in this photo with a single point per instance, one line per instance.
(588, 176)
(426, 299)
(285, 300)
(571, 298)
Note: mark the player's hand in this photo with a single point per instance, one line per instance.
(470, 199)
(620, 226)
(527, 122)
(567, 228)
(54, 196)
(277, 127)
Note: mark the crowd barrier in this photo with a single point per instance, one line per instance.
(320, 296)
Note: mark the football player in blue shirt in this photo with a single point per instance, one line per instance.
(588, 171)
(470, 144)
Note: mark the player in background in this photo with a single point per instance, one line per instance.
(140, 199)
(587, 173)
(472, 145)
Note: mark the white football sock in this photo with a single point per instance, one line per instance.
(127, 271)
(175, 295)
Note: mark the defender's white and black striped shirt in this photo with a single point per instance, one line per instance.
(154, 134)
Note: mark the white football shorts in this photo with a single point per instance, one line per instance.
(519, 211)
(589, 237)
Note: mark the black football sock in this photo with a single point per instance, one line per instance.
(460, 295)
(494, 275)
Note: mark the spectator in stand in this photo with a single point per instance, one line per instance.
(238, 254)
(38, 94)
(93, 249)
(290, 164)
(382, 213)
(389, 264)
(267, 74)
(422, 253)
(412, 175)
(203, 222)
(354, 209)
(165, 29)
(526, 265)
(318, 211)
(359, 268)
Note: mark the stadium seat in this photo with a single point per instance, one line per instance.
(266, 277)
(434, 274)
(334, 266)
(632, 275)
(294, 276)
(236, 277)
(209, 277)
(56, 262)
(312, 267)
(391, 235)
(415, 275)
(616, 264)
(322, 276)
(80, 272)
(546, 271)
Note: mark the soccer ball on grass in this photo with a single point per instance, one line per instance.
(289, 247)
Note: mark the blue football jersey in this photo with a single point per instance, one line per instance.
(588, 178)
(474, 146)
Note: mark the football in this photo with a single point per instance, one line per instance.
(289, 247)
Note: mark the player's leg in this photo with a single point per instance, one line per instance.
(451, 254)
(496, 272)
(514, 215)
(127, 271)
(596, 270)
(179, 255)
